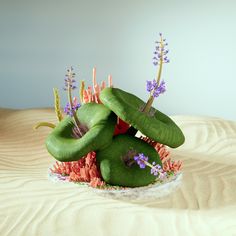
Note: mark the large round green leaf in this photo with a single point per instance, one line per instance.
(118, 167)
(100, 122)
(154, 124)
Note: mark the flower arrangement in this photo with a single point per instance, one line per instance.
(96, 139)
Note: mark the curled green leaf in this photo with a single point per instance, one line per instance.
(99, 122)
(154, 124)
(117, 165)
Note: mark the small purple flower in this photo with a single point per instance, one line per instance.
(151, 85)
(141, 160)
(165, 52)
(155, 63)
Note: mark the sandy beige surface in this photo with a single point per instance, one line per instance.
(31, 205)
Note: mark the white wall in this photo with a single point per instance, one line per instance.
(39, 39)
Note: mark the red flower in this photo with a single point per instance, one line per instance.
(121, 127)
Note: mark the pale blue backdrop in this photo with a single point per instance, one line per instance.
(39, 39)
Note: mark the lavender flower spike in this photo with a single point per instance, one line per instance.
(69, 80)
(160, 52)
(160, 57)
(156, 169)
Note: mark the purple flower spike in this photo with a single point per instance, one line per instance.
(156, 169)
(69, 80)
(161, 51)
(141, 159)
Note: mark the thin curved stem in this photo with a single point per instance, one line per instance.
(45, 124)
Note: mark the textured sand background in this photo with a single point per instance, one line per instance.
(205, 204)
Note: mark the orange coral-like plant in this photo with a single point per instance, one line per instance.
(91, 94)
(84, 170)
